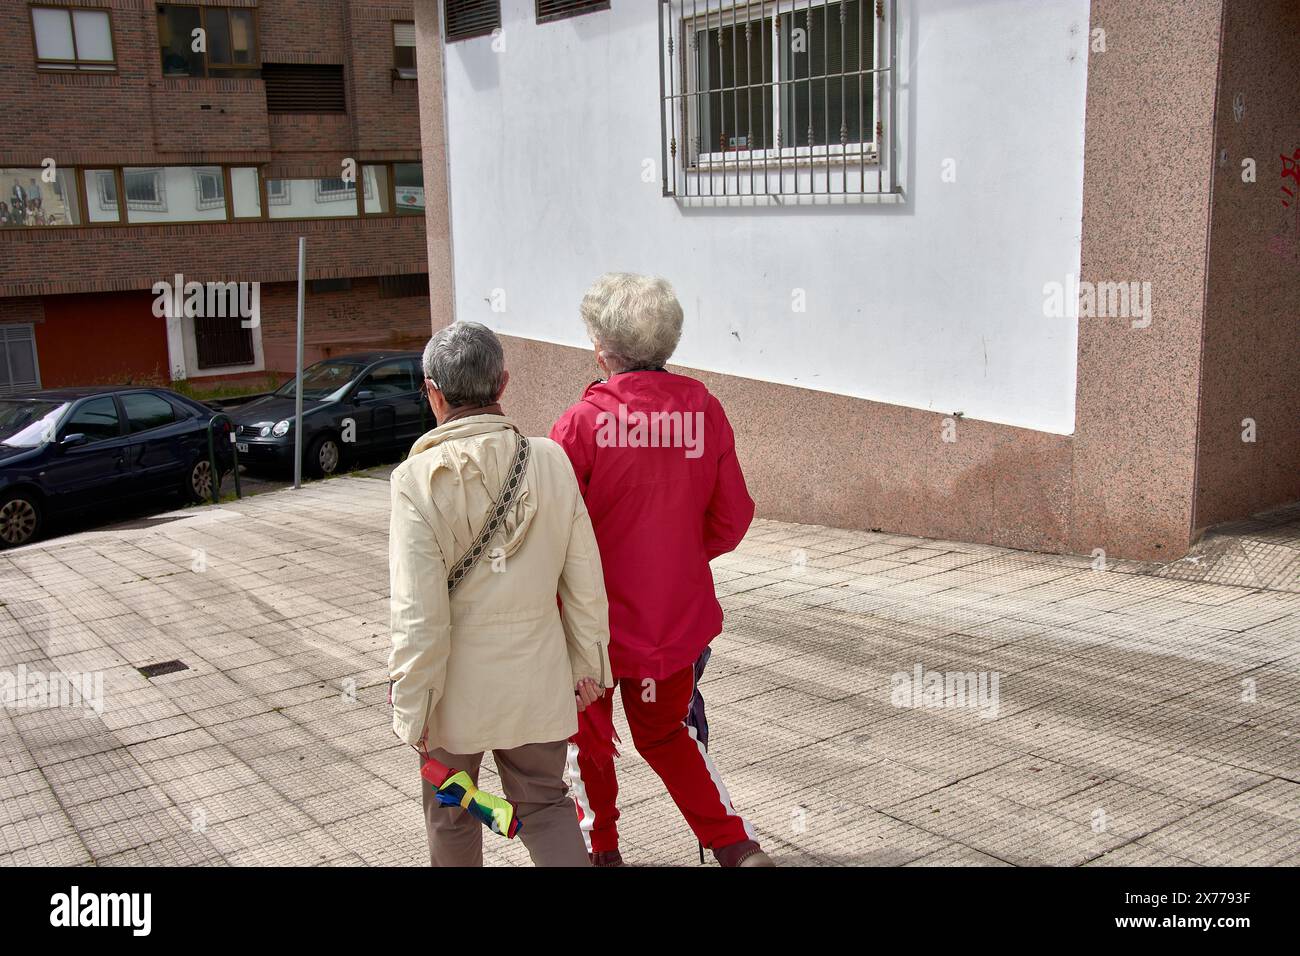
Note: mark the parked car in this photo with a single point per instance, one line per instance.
(71, 450)
(369, 403)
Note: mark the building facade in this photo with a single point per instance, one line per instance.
(1021, 273)
(163, 159)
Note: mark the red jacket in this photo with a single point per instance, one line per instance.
(660, 513)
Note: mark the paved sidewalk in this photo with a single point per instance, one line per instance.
(1144, 714)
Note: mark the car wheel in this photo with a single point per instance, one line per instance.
(20, 519)
(325, 457)
(198, 487)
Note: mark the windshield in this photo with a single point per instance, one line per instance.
(322, 380)
(29, 424)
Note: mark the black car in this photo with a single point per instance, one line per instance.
(369, 403)
(72, 450)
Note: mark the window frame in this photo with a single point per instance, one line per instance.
(865, 151)
(76, 176)
(64, 426)
(126, 413)
(73, 66)
(252, 70)
(397, 70)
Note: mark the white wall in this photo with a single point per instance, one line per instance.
(936, 303)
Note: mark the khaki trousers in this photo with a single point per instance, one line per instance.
(533, 777)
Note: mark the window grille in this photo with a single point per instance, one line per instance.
(778, 100)
(548, 10)
(471, 18)
(222, 340)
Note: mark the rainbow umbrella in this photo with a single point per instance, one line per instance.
(454, 788)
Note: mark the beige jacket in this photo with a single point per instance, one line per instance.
(495, 666)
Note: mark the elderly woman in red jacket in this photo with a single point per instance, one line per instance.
(656, 462)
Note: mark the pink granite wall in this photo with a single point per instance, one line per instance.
(1251, 351)
(1146, 200)
(819, 458)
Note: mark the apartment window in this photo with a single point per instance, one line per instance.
(161, 195)
(18, 368)
(207, 41)
(173, 194)
(222, 341)
(408, 189)
(101, 196)
(548, 10)
(145, 190)
(304, 88)
(246, 192)
(73, 39)
(753, 98)
(404, 50)
(325, 198)
(29, 198)
(377, 198)
(465, 19)
(209, 187)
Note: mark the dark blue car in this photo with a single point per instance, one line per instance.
(72, 450)
(370, 403)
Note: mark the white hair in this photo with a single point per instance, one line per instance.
(636, 320)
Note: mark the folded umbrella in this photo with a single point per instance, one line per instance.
(454, 788)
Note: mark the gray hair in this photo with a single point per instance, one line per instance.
(636, 318)
(466, 363)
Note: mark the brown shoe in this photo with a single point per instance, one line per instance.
(606, 858)
(744, 853)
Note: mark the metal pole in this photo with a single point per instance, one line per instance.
(297, 400)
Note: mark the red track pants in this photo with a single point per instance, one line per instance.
(656, 714)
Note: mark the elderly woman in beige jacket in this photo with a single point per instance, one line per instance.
(496, 664)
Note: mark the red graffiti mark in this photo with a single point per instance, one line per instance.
(1291, 168)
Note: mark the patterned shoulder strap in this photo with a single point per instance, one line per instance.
(505, 501)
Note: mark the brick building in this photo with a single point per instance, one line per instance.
(149, 140)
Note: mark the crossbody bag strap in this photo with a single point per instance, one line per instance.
(500, 508)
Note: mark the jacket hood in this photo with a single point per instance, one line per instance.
(475, 453)
(648, 390)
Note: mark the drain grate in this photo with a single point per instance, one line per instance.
(165, 667)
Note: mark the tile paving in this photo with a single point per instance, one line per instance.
(1146, 714)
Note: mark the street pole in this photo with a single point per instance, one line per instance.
(297, 401)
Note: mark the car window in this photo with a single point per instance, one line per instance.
(95, 418)
(321, 380)
(145, 411)
(392, 378)
(417, 374)
(29, 424)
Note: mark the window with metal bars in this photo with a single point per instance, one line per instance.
(776, 97)
(222, 340)
(465, 19)
(304, 88)
(548, 10)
